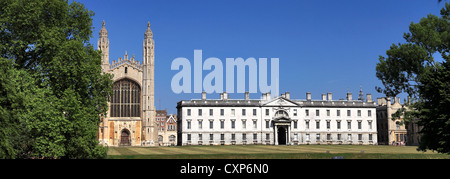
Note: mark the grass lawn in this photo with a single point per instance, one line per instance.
(273, 152)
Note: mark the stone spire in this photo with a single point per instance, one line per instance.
(361, 94)
(103, 32)
(148, 32)
(103, 45)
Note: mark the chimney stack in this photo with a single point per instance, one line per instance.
(247, 95)
(283, 95)
(324, 97)
(288, 95)
(225, 96)
(349, 96)
(203, 95)
(308, 96)
(369, 98)
(330, 96)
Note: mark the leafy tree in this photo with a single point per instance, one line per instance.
(411, 68)
(64, 92)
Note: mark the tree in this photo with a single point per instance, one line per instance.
(48, 40)
(411, 68)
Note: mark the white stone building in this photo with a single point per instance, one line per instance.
(277, 121)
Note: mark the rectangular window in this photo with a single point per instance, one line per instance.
(307, 112)
(348, 113)
(369, 113)
(295, 136)
(255, 136)
(370, 124)
(233, 112)
(328, 112)
(349, 137)
(211, 136)
(211, 112)
(317, 112)
(267, 124)
(200, 137)
(349, 125)
(233, 136)
(233, 124)
(295, 112)
(328, 125)
(189, 112)
(243, 112)
(359, 136)
(318, 137)
(359, 125)
(254, 124)
(211, 124)
(254, 112)
(222, 136)
(307, 124)
(339, 137)
(295, 124)
(267, 136)
(244, 137)
(199, 112)
(222, 124)
(189, 125)
(328, 136)
(338, 113)
(359, 112)
(222, 111)
(307, 137)
(338, 124)
(267, 112)
(317, 124)
(370, 136)
(244, 124)
(189, 137)
(200, 124)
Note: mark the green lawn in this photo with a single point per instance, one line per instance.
(273, 152)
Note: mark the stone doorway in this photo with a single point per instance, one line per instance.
(125, 138)
(282, 135)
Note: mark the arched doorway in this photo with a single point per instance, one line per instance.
(125, 138)
(281, 135)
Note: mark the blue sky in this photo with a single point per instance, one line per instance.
(323, 46)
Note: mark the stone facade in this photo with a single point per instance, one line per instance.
(130, 119)
(395, 132)
(278, 121)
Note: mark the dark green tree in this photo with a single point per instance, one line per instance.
(411, 68)
(48, 41)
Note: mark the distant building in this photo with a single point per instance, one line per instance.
(167, 128)
(395, 132)
(277, 121)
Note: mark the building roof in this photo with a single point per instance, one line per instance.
(278, 101)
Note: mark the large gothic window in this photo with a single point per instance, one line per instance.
(126, 99)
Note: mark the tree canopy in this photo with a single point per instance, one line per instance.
(52, 87)
(411, 68)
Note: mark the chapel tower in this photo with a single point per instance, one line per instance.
(103, 45)
(148, 62)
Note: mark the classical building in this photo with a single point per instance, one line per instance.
(395, 132)
(277, 121)
(130, 119)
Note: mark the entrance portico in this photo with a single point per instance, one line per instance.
(282, 128)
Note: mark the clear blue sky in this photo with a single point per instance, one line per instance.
(323, 46)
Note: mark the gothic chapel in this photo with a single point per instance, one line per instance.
(130, 119)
